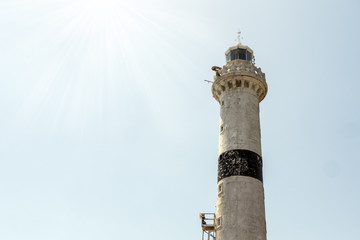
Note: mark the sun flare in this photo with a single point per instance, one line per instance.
(95, 50)
(102, 11)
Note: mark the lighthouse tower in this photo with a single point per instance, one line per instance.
(239, 87)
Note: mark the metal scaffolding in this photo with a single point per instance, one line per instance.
(208, 226)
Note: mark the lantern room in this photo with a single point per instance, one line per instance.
(239, 51)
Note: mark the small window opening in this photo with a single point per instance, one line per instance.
(218, 221)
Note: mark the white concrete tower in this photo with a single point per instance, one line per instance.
(239, 87)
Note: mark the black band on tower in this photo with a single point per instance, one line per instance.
(240, 163)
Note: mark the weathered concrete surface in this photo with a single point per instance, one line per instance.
(239, 122)
(240, 209)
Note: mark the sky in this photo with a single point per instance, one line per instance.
(108, 130)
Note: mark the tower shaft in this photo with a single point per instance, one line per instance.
(239, 87)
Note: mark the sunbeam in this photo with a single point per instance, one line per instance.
(89, 47)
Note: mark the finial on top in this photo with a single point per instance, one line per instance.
(238, 37)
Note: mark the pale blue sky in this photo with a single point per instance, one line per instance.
(108, 131)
